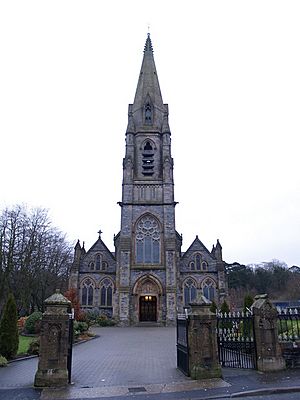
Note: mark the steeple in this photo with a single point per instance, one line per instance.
(148, 89)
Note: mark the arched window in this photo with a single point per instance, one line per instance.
(195, 263)
(198, 262)
(147, 241)
(106, 290)
(209, 289)
(98, 262)
(189, 291)
(148, 159)
(104, 266)
(92, 266)
(87, 293)
(204, 266)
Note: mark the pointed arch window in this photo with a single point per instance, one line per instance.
(197, 264)
(87, 293)
(106, 291)
(209, 289)
(147, 241)
(148, 159)
(104, 266)
(98, 262)
(189, 291)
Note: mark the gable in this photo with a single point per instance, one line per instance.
(98, 259)
(198, 259)
(198, 247)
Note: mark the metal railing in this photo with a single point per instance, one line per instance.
(288, 324)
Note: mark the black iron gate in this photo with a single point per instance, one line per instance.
(236, 342)
(182, 344)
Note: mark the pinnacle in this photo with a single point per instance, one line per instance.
(148, 44)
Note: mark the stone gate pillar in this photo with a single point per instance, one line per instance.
(269, 355)
(202, 338)
(52, 368)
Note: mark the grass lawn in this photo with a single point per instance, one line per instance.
(24, 342)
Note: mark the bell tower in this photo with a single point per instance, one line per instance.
(147, 246)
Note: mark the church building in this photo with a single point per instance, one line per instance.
(147, 277)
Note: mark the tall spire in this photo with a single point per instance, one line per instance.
(148, 44)
(148, 85)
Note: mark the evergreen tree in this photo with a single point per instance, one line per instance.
(213, 307)
(9, 335)
(248, 301)
(247, 323)
(224, 308)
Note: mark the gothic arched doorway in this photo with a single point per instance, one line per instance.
(148, 308)
(147, 293)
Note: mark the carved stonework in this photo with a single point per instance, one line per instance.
(203, 348)
(54, 341)
(269, 356)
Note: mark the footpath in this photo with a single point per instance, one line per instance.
(236, 383)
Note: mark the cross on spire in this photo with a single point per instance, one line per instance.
(100, 233)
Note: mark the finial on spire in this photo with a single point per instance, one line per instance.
(100, 233)
(148, 44)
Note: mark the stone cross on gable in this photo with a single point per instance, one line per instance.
(100, 233)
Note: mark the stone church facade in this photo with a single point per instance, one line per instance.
(148, 277)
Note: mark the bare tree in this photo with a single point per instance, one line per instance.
(34, 257)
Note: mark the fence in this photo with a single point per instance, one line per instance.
(288, 324)
(236, 343)
(182, 344)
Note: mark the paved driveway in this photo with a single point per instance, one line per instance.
(119, 356)
(127, 356)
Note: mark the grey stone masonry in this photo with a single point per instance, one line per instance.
(150, 277)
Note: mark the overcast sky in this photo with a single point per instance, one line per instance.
(229, 71)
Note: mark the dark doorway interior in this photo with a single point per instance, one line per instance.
(148, 308)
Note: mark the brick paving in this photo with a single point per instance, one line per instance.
(119, 356)
(127, 356)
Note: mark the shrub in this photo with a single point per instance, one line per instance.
(213, 307)
(248, 301)
(21, 323)
(71, 295)
(92, 316)
(103, 320)
(34, 347)
(9, 334)
(3, 361)
(79, 328)
(33, 322)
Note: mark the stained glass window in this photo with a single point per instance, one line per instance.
(190, 291)
(87, 293)
(106, 290)
(147, 239)
(209, 289)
